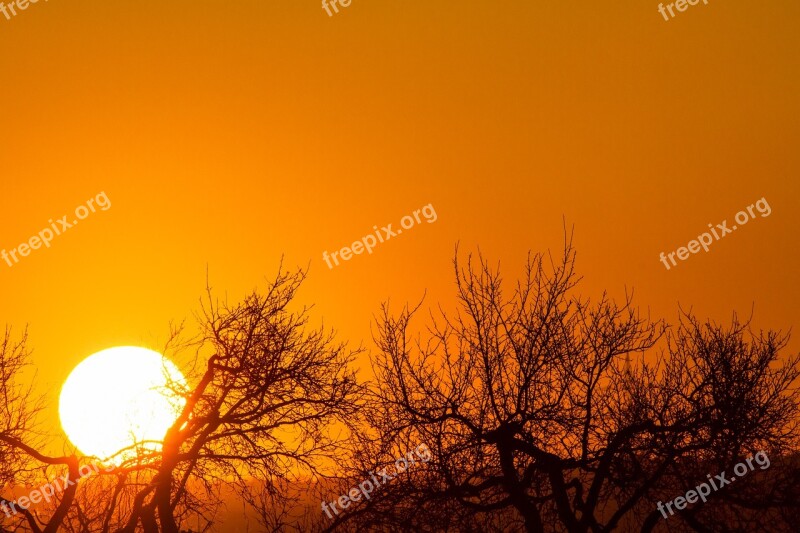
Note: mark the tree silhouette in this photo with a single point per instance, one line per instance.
(260, 411)
(268, 391)
(542, 411)
(20, 461)
(547, 412)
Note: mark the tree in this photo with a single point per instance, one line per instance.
(266, 408)
(20, 461)
(260, 411)
(559, 414)
(541, 411)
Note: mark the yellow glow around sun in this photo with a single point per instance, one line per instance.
(118, 398)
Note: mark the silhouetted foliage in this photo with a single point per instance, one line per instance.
(258, 417)
(543, 411)
(547, 412)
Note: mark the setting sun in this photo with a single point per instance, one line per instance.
(119, 398)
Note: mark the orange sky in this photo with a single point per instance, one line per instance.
(227, 134)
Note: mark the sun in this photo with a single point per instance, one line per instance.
(119, 398)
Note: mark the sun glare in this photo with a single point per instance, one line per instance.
(119, 398)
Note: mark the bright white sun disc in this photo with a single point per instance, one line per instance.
(118, 398)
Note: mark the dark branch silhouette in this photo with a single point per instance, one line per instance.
(547, 412)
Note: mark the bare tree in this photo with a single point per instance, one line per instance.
(572, 415)
(20, 461)
(270, 407)
(261, 414)
(544, 411)
(720, 395)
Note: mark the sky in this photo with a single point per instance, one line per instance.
(227, 136)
